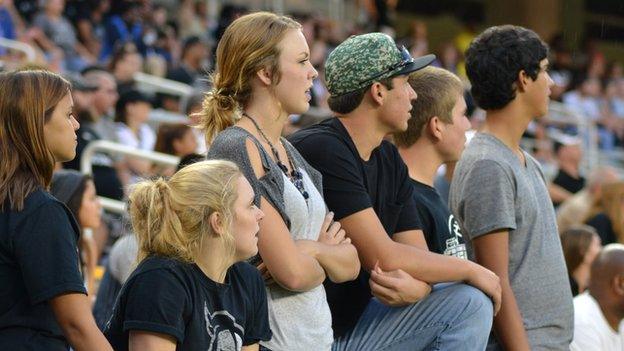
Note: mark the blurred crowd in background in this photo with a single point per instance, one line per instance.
(101, 47)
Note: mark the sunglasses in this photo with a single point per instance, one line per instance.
(406, 59)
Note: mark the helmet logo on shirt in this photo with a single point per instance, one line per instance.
(454, 227)
(225, 334)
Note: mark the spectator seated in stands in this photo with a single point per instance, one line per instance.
(264, 76)
(580, 245)
(89, 16)
(62, 35)
(124, 27)
(77, 192)
(122, 261)
(98, 124)
(586, 100)
(607, 214)
(436, 134)
(576, 209)
(175, 139)
(125, 63)
(189, 70)
(192, 289)
(7, 25)
(615, 96)
(599, 312)
(368, 187)
(131, 114)
(499, 195)
(568, 180)
(44, 304)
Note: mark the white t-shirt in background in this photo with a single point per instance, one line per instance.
(591, 330)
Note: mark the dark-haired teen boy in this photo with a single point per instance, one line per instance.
(499, 195)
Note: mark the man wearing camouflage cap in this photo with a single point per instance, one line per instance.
(366, 185)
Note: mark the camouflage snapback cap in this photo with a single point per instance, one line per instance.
(363, 59)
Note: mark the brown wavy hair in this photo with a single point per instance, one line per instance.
(27, 100)
(249, 44)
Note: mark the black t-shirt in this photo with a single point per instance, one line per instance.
(38, 261)
(350, 185)
(182, 74)
(170, 297)
(568, 182)
(602, 223)
(439, 226)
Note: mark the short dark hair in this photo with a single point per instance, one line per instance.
(189, 43)
(129, 97)
(495, 58)
(348, 102)
(167, 134)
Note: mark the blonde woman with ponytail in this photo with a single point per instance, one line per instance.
(263, 75)
(190, 290)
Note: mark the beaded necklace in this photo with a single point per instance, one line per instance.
(295, 176)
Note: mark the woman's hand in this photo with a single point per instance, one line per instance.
(332, 232)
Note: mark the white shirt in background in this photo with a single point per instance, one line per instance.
(591, 330)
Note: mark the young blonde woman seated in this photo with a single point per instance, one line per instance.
(190, 290)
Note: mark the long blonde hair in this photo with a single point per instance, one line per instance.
(249, 44)
(170, 217)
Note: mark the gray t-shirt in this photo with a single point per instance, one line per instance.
(492, 190)
(60, 31)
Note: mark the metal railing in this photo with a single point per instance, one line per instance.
(28, 50)
(151, 83)
(109, 147)
(559, 115)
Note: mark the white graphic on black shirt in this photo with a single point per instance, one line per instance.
(453, 245)
(225, 333)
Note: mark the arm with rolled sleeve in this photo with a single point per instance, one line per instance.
(257, 327)
(46, 250)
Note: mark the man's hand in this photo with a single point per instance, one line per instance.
(397, 288)
(488, 282)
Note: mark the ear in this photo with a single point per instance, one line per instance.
(377, 92)
(435, 127)
(618, 284)
(522, 81)
(217, 223)
(265, 76)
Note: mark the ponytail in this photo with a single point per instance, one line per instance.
(170, 217)
(156, 223)
(220, 110)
